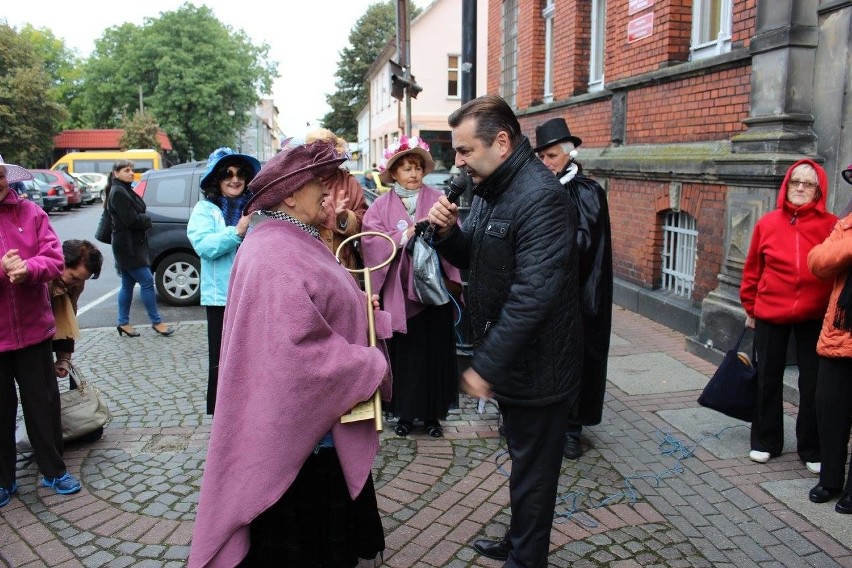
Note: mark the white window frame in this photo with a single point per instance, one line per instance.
(457, 70)
(547, 13)
(680, 253)
(597, 47)
(509, 59)
(703, 47)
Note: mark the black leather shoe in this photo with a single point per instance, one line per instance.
(820, 494)
(573, 448)
(844, 504)
(496, 549)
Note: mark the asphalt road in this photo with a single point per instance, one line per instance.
(98, 304)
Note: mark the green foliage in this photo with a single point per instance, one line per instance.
(368, 38)
(198, 76)
(29, 112)
(62, 65)
(140, 131)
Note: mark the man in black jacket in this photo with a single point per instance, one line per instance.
(519, 247)
(555, 147)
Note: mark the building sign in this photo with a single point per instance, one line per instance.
(640, 28)
(638, 5)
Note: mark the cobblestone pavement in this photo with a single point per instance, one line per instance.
(663, 482)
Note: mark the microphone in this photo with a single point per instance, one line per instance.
(456, 186)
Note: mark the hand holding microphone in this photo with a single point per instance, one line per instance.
(445, 212)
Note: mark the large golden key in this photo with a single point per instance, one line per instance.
(369, 409)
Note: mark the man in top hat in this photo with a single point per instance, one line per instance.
(555, 147)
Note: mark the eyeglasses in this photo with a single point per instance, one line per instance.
(808, 185)
(231, 173)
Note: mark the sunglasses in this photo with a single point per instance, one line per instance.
(231, 173)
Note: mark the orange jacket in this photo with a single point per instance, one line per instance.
(833, 259)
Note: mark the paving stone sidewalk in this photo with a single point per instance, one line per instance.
(663, 483)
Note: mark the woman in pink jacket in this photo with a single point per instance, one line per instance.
(30, 257)
(832, 260)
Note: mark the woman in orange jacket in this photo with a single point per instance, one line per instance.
(780, 296)
(833, 260)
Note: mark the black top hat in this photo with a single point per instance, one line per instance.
(553, 132)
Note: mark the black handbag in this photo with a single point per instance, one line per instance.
(104, 231)
(733, 388)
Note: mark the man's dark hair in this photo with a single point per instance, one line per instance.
(77, 252)
(492, 115)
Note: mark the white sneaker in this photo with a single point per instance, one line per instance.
(814, 467)
(759, 457)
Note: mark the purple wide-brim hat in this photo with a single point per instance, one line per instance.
(288, 171)
(847, 174)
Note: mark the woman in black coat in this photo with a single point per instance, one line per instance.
(130, 227)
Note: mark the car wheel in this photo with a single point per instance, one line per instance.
(178, 279)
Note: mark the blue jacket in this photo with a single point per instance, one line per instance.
(216, 244)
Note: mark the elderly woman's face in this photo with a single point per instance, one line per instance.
(232, 181)
(308, 202)
(802, 186)
(4, 183)
(408, 172)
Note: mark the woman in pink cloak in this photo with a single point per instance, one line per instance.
(286, 484)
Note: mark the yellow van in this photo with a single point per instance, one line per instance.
(101, 162)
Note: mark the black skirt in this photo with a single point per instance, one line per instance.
(425, 373)
(316, 524)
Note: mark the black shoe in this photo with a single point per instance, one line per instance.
(167, 332)
(496, 549)
(844, 504)
(573, 448)
(820, 494)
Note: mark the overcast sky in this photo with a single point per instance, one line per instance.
(305, 41)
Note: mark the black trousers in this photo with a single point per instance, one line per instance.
(767, 427)
(32, 368)
(834, 415)
(535, 436)
(215, 322)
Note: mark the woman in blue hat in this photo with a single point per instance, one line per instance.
(216, 228)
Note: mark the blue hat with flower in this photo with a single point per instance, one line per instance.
(219, 154)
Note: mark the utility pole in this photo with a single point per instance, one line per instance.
(468, 66)
(141, 104)
(403, 46)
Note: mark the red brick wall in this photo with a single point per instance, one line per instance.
(590, 122)
(707, 107)
(637, 210)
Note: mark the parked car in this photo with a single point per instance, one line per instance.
(97, 182)
(87, 193)
(68, 184)
(28, 190)
(169, 196)
(438, 179)
(51, 198)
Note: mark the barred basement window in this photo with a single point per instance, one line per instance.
(680, 239)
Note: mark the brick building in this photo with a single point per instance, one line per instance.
(690, 112)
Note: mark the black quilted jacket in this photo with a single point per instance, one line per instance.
(519, 247)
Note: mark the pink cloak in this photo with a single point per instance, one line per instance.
(388, 215)
(295, 357)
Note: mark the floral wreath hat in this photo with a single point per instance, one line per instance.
(403, 147)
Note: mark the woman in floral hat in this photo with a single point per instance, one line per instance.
(422, 349)
(216, 228)
(833, 260)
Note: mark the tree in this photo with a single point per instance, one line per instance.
(197, 76)
(28, 111)
(63, 66)
(140, 131)
(368, 38)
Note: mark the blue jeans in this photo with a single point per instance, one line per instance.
(129, 278)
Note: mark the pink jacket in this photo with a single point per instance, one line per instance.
(26, 316)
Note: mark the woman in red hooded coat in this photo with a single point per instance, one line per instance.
(780, 296)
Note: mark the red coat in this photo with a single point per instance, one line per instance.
(777, 285)
(833, 260)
